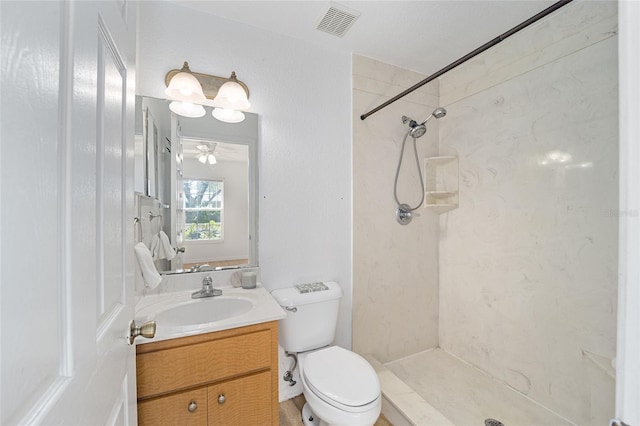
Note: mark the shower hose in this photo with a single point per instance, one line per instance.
(395, 182)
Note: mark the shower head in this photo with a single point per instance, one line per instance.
(437, 113)
(418, 130)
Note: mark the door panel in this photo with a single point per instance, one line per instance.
(66, 212)
(32, 210)
(175, 409)
(177, 191)
(111, 108)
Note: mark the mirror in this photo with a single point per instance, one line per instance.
(201, 176)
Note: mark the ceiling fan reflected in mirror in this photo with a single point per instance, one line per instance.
(206, 154)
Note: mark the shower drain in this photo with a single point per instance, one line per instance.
(492, 422)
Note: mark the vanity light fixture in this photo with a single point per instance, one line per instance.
(230, 101)
(186, 92)
(229, 97)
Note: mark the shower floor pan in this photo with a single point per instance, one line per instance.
(434, 388)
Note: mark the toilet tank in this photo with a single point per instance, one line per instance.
(312, 315)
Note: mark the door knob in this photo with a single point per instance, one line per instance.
(147, 330)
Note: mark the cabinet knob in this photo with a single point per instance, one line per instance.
(192, 406)
(221, 398)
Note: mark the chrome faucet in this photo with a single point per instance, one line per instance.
(201, 268)
(207, 289)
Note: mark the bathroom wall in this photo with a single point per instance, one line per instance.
(395, 293)
(528, 263)
(302, 94)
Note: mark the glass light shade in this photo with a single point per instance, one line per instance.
(202, 158)
(212, 159)
(185, 87)
(228, 115)
(187, 109)
(231, 95)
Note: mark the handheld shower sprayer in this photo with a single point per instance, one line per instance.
(418, 130)
(404, 212)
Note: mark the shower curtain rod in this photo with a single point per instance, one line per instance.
(470, 55)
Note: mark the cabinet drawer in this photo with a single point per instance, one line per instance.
(174, 409)
(201, 363)
(245, 401)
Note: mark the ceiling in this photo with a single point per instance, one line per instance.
(423, 36)
(222, 150)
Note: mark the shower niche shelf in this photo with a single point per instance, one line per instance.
(441, 183)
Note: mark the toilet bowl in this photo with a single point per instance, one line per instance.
(341, 388)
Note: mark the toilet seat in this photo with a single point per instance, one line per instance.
(341, 378)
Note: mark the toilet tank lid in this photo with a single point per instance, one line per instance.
(307, 293)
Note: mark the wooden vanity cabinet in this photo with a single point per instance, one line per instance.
(182, 408)
(227, 377)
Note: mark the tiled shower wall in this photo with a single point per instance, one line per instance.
(395, 294)
(528, 263)
(520, 280)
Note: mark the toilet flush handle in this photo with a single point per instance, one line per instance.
(291, 308)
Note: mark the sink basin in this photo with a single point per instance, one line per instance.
(203, 311)
(178, 315)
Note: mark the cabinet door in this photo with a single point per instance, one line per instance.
(184, 408)
(245, 401)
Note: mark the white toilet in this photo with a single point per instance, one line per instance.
(341, 387)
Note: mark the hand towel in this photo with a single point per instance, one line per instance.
(166, 250)
(149, 272)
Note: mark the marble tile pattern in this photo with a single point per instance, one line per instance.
(528, 262)
(395, 292)
(567, 30)
(401, 404)
(465, 394)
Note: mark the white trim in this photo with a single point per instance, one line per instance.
(628, 342)
(41, 406)
(65, 183)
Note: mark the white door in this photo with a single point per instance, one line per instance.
(66, 212)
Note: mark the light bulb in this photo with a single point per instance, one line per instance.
(187, 109)
(228, 115)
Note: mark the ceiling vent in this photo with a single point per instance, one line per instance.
(337, 19)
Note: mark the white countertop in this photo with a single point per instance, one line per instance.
(264, 308)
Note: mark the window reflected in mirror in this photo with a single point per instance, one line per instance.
(203, 210)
